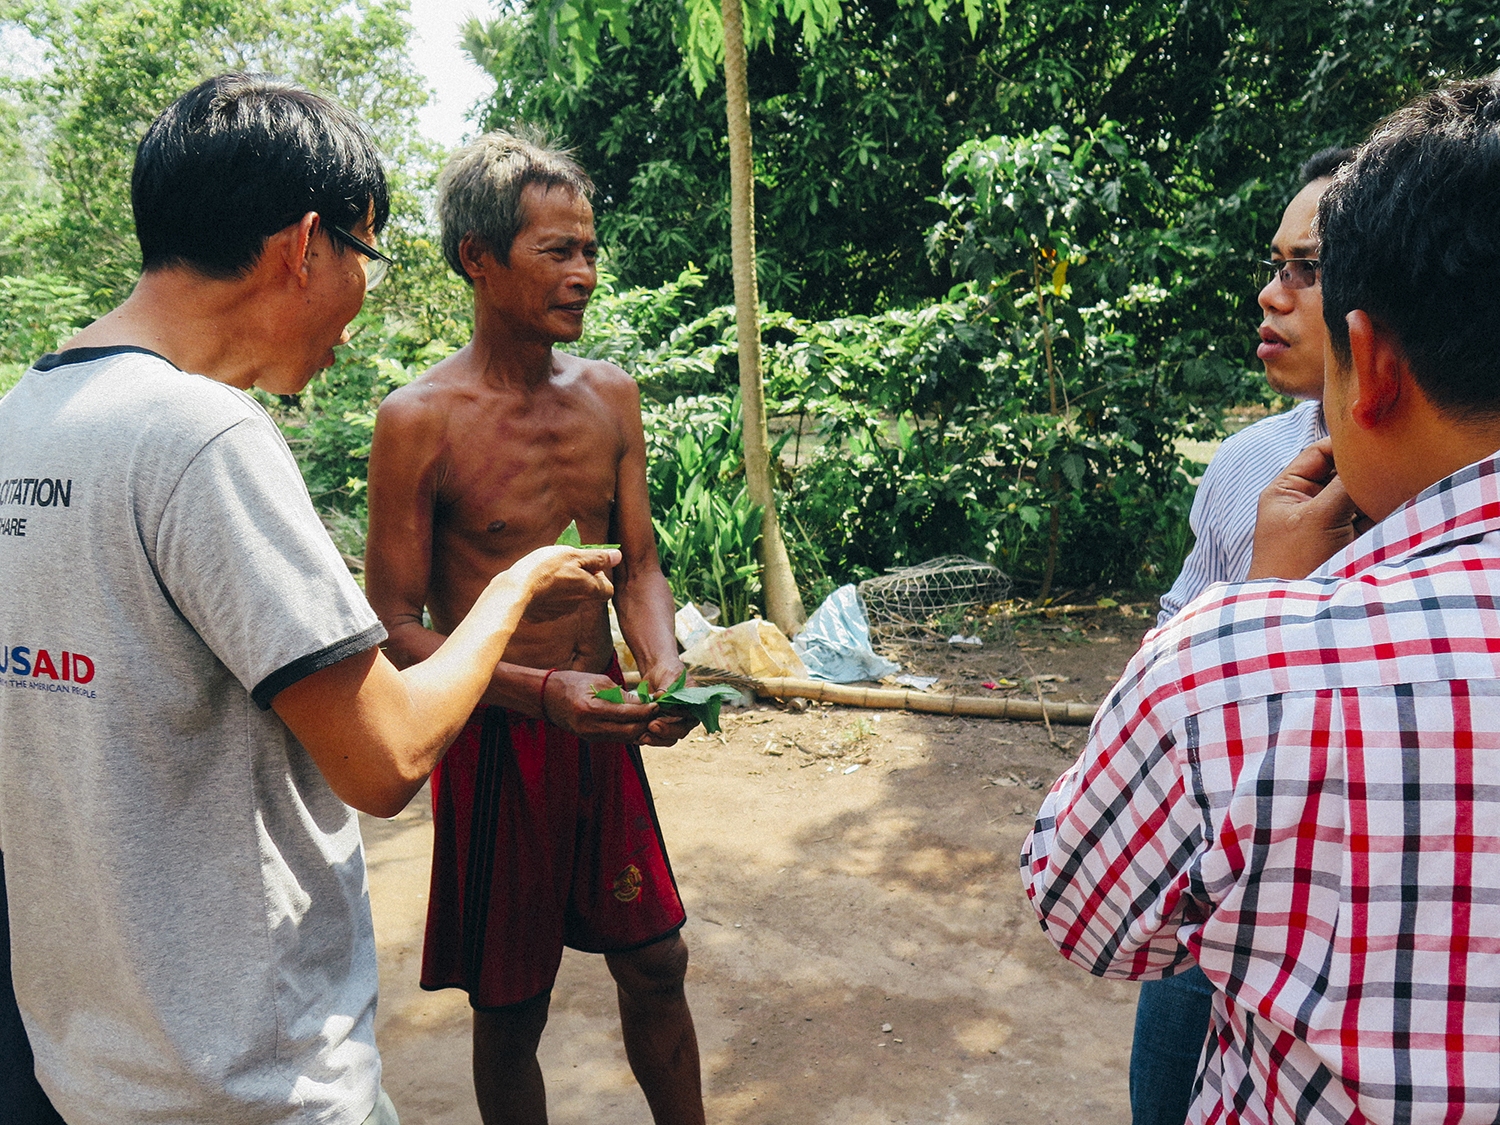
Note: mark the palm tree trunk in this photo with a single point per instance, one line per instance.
(783, 603)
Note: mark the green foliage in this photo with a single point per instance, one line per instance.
(656, 336)
(934, 436)
(114, 64)
(850, 128)
(702, 703)
(37, 313)
(1221, 100)
(706, 527)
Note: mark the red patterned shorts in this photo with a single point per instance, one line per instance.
(542, 840)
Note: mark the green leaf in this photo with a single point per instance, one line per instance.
(570, 538)
(703, 703)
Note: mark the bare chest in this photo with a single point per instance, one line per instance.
(511, 483)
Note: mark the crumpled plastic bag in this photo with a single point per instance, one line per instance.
(835, 642)
(752, 648)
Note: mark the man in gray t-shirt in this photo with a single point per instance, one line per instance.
(191, 686)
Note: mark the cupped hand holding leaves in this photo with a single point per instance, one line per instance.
(703, 703)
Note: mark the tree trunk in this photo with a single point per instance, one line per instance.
(783, 603)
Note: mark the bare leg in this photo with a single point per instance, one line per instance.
(507, 1077)
(658, 1029)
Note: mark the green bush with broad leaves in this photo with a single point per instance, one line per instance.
(706, 527)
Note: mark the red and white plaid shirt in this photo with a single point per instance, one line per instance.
(1297, 784)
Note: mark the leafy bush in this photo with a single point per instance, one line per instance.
(654, 334)
(37, 313)
(934, 437)
(706, 526)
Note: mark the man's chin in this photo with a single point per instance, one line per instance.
(1293, 384)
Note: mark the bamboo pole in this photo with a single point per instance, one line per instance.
(910, 699)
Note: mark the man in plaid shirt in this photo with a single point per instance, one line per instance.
(1296, 783)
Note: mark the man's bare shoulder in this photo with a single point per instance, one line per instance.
(603, 378)
(436, 389)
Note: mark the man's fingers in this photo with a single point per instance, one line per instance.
(1305, 515)
(598, 560)
(1310, 471)
(1334, 505)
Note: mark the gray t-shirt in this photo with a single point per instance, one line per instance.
(188, 900)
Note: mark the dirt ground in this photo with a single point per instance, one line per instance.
(862, 950)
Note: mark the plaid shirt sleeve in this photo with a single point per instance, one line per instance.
(1110, 865)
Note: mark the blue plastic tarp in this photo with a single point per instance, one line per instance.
(835, 642)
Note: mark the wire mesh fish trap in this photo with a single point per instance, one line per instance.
(911, 597)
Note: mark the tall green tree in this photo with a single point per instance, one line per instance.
(112, 65)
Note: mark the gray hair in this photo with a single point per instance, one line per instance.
(479, 192)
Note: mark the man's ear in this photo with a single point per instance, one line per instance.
(471, 255)
(289, 249)
(1380, 370)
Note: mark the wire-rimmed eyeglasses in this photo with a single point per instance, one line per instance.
(1294, 273)
(380, 264)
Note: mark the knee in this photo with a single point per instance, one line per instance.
(655, 970)
(514, 1030)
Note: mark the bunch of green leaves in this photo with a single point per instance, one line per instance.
(702, 703)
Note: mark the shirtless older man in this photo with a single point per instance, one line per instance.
(546, 834)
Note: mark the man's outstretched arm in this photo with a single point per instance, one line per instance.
(376, 732)
(643, 600)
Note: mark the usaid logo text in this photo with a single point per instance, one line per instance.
(45, 666)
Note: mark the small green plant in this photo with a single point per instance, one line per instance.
(706, 527)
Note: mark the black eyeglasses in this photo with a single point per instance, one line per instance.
(1294, 273)
(379, 265)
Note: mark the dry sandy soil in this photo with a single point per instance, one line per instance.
(862, 950)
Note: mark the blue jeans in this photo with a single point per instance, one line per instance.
(1171, 1023)
(20, 1093)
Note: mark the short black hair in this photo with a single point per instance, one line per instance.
(1410, 234)
(479, 191)
(1324, 163)
(240, 157)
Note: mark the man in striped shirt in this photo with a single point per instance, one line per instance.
(1296, 783)
(1171, 1021)
(1291, 346)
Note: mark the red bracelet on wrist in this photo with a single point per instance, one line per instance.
(542, 694)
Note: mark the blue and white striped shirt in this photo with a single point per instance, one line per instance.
(1223, 515)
